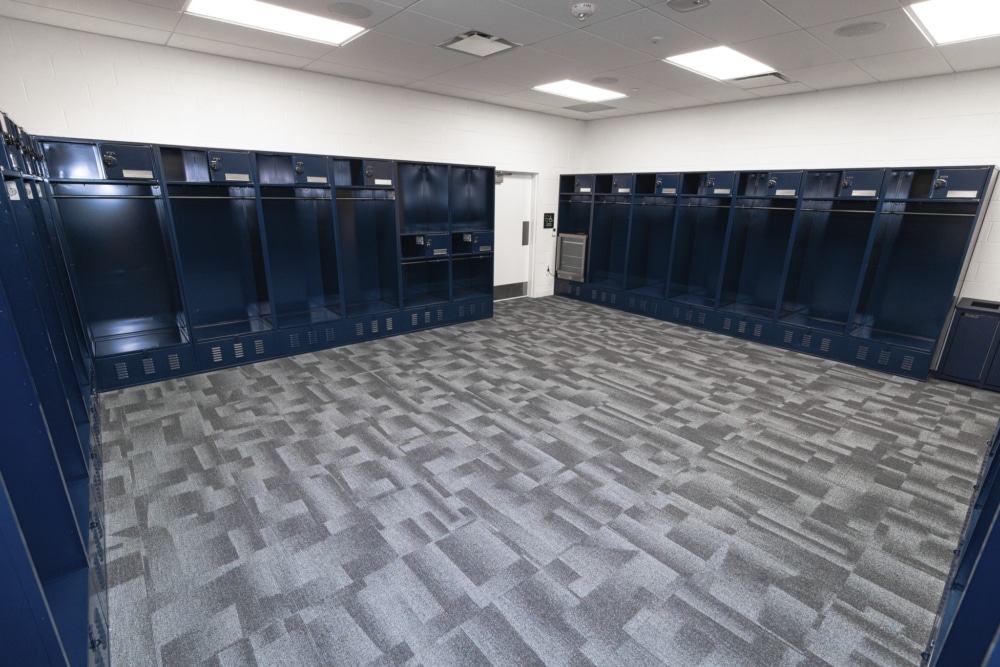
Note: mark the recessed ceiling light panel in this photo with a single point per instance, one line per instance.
(478, 44)
(948, 21)
(721, 63)
(579, 91)
(272, 18)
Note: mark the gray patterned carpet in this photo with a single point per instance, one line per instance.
(562, 485)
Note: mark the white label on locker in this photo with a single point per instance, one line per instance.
(962, 194)
(27, 189)
(12, 191)
(785, 193)
(420, 240)
(624, 191)
(38, 186)
(485, 248)
(441, 251)
(237, 177)
(383, 181)
(316, 179)
(584, 189)
(137, 173)
(864, 193)
(669, 191)
(467, 238)
(722, 191)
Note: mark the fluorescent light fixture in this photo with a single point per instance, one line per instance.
(264, 16)
(947, 21)
(478, 44)
(579, 91)
(721, 63)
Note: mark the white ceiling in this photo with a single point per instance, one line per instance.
(621, 47)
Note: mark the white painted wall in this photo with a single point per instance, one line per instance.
(943, 120)
(67, 83)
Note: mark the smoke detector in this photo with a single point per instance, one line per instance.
(583, 10)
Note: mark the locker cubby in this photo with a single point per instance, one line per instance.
(425, 283)
(470, 197)
(608, 240)
(828, 253)
(423, 198)
(699, 242)
(945, 183)
(613, 184)
(832, 184)
(127, 161)
(472, 277)
(302, 256)
(73, 161)
(284, 169)
(708, 183)
(580, 184)
(362, 173)
(369, 242)
(759, 236)
(574, 214)
(221, 259)
(650, 236)
(915, 262)
(657, 184)
(423, 246)
(769, 184)
(121, 265)
(472, 243)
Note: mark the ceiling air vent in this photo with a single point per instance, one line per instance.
(761, 80)
(478, 44)
(589, 107)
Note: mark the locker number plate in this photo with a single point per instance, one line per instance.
(137, 173)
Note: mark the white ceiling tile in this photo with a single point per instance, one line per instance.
(176, 5)
(786, 89)
(789, 50)
(328, 9)
(419, 28)
(560, 11)
(348, 72)
(381, 53)
(636, 30)
(808, 13)
(538, 97)
(834, 75)
(977, 54)
(400, 3)
(906, 65)
(582, 46)
(640, 105)
(716, 91)
(464, 77)
(74, 21)
(731, 21)
(663, 74)
(508, 101)
(451, 91)
(191, 43)
(900, 34)
(120, 11)
(629, 85)
(494, 18)
(219, 31)
(672, 99)
(547, 66)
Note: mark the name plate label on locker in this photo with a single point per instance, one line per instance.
(28, 191)
(316, 179)
(584, 189)
(624, 191)
(962, 194)
(668, 191)
(237, 177)
(383, 181)
(12, 191)
(785, 193)
(722, 191)
(137, 173)
(864, 193)
(38, 186)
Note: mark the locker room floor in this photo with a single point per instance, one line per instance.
(563, 485)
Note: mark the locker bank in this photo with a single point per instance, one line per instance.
(266, 400)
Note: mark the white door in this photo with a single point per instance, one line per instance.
(511, 242)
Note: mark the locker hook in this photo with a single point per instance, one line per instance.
(772, 182)
(369, 171)
(110, 159)
(941, 182)
(709, 182)
(848, 181)
(298, 167)
(659, 182)
(216, 161)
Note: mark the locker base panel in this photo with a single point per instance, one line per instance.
(804, 320)
(471, 293)
(127, 370)
(655, 290)
(305, 339)
(694, 299)
(895, 339)
(417, 301)
(235, 351)
(748, 310)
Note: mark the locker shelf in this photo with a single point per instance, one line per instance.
(425, 283)
(240, 327)
(472, 278)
